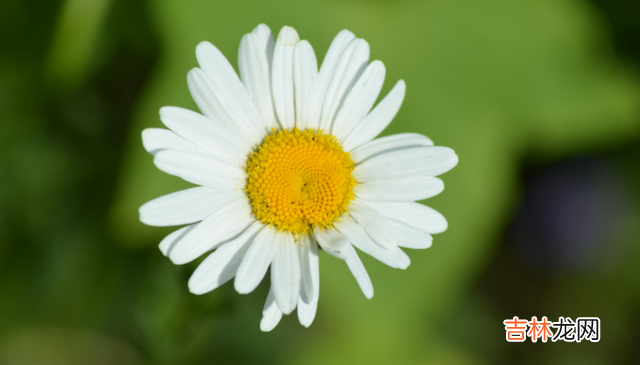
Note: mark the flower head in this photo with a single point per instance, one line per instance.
(286, 164)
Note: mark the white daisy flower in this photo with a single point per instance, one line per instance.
(286, 163)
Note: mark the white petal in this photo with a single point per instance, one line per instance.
(156, 139)
(419, 161)
(359, 272)
(285, 273)
(185, 206)
(332, 241)
(257, 260)
(402, 189)
(305, 73)
(340, 42)
(222, 265)
(392, 256)
(410, 237)
(205, 133)
(305, 246)
(223, 224)
(376, 226)
(282, 76)
(255, 72)
(265, 37)
(213, 103)
(169, 242)
(307, 311)
(413, 214)
(200, 169)
(352, 63)
(236, 99)
(271, 314)
(378, 119)
(388, 144)
(359, 101)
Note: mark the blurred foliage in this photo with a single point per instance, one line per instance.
(518, 89)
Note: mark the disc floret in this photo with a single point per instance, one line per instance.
(300, 179)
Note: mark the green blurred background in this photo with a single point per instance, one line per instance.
(539, 98)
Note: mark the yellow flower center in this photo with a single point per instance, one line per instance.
(300, 179)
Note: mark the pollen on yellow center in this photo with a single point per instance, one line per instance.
(300, 179)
